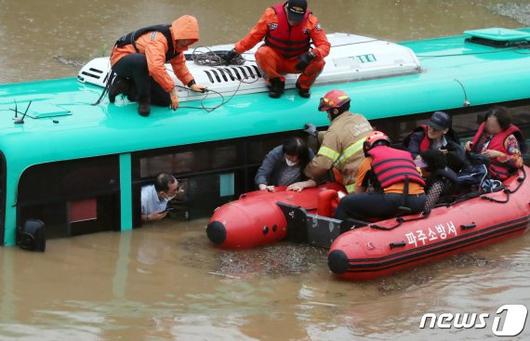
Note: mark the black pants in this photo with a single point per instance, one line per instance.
(134, 68)
(364, 206)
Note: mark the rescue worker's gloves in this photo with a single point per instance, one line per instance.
(304, 60)
(230, 56)
(310, 129)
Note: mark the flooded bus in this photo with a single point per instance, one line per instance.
(78, 168)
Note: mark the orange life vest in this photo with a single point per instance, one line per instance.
(289, 41)
(391, 166)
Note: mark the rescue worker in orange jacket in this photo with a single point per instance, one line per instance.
(341, 146)
(138, 60)
(394, 177)
(289, 29)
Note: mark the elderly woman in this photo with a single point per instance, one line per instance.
(501, 141)
(284, 165)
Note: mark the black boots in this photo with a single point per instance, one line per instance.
(119, 85)
(276, 87)
(144, 107)
(303, 92)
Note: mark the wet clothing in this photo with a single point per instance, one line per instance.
(366, 178)
(275, 66)
(386, 201)
(134, 68)
(419, 142)
(154, 47)
(365, 206)
(274, 171)
(279, 55)
(510, 142)
(341, 146)
(150, 202)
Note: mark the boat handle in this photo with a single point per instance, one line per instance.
(468, 226)
(397, 244)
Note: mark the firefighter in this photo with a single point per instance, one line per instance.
(396, 182)
(289, 30)
(341, 146)
(138, 60)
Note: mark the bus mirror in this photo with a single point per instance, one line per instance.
(31, 235)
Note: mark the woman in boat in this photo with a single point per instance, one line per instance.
(284, 165)
(397, 184)
(501, 142)
(437, 135)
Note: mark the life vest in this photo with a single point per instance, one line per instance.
(391, 166)
(425, 143)
(130, 38)
(289, 41)
(497, 169)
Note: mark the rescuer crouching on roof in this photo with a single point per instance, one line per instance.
(289, 28)
(139, 58)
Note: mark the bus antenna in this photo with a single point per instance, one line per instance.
(21, 120)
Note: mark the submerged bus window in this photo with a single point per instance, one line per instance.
(72, 197)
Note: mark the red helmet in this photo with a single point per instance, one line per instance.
(374, 137)
(333, 99)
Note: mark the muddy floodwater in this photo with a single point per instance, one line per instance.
(164, 281)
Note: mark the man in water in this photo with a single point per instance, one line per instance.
(155, 197)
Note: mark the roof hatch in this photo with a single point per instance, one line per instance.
(498, 37)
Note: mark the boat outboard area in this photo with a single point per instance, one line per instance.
(60, 152)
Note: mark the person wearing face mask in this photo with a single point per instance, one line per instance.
(437, 135)
(283, 166)
(294, 42)
(139, 58)
(155, 197)
(341, 146)
(501, 142)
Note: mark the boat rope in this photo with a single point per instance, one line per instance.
(507, 191)
(400, 221)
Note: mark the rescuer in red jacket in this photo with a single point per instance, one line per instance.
(289, 30)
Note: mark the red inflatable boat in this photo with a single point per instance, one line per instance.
(256, 219)
(366, 250)
(388, 246)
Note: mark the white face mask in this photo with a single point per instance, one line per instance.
(170, 198)
(290, 163)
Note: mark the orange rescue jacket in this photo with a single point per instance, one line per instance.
(155, 46)
(270, 19)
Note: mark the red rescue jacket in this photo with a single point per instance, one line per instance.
(496, 169)
(289, 41)
(391, 166)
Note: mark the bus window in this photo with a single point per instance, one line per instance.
(72, 197)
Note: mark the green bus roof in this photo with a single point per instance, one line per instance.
(64, 125)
